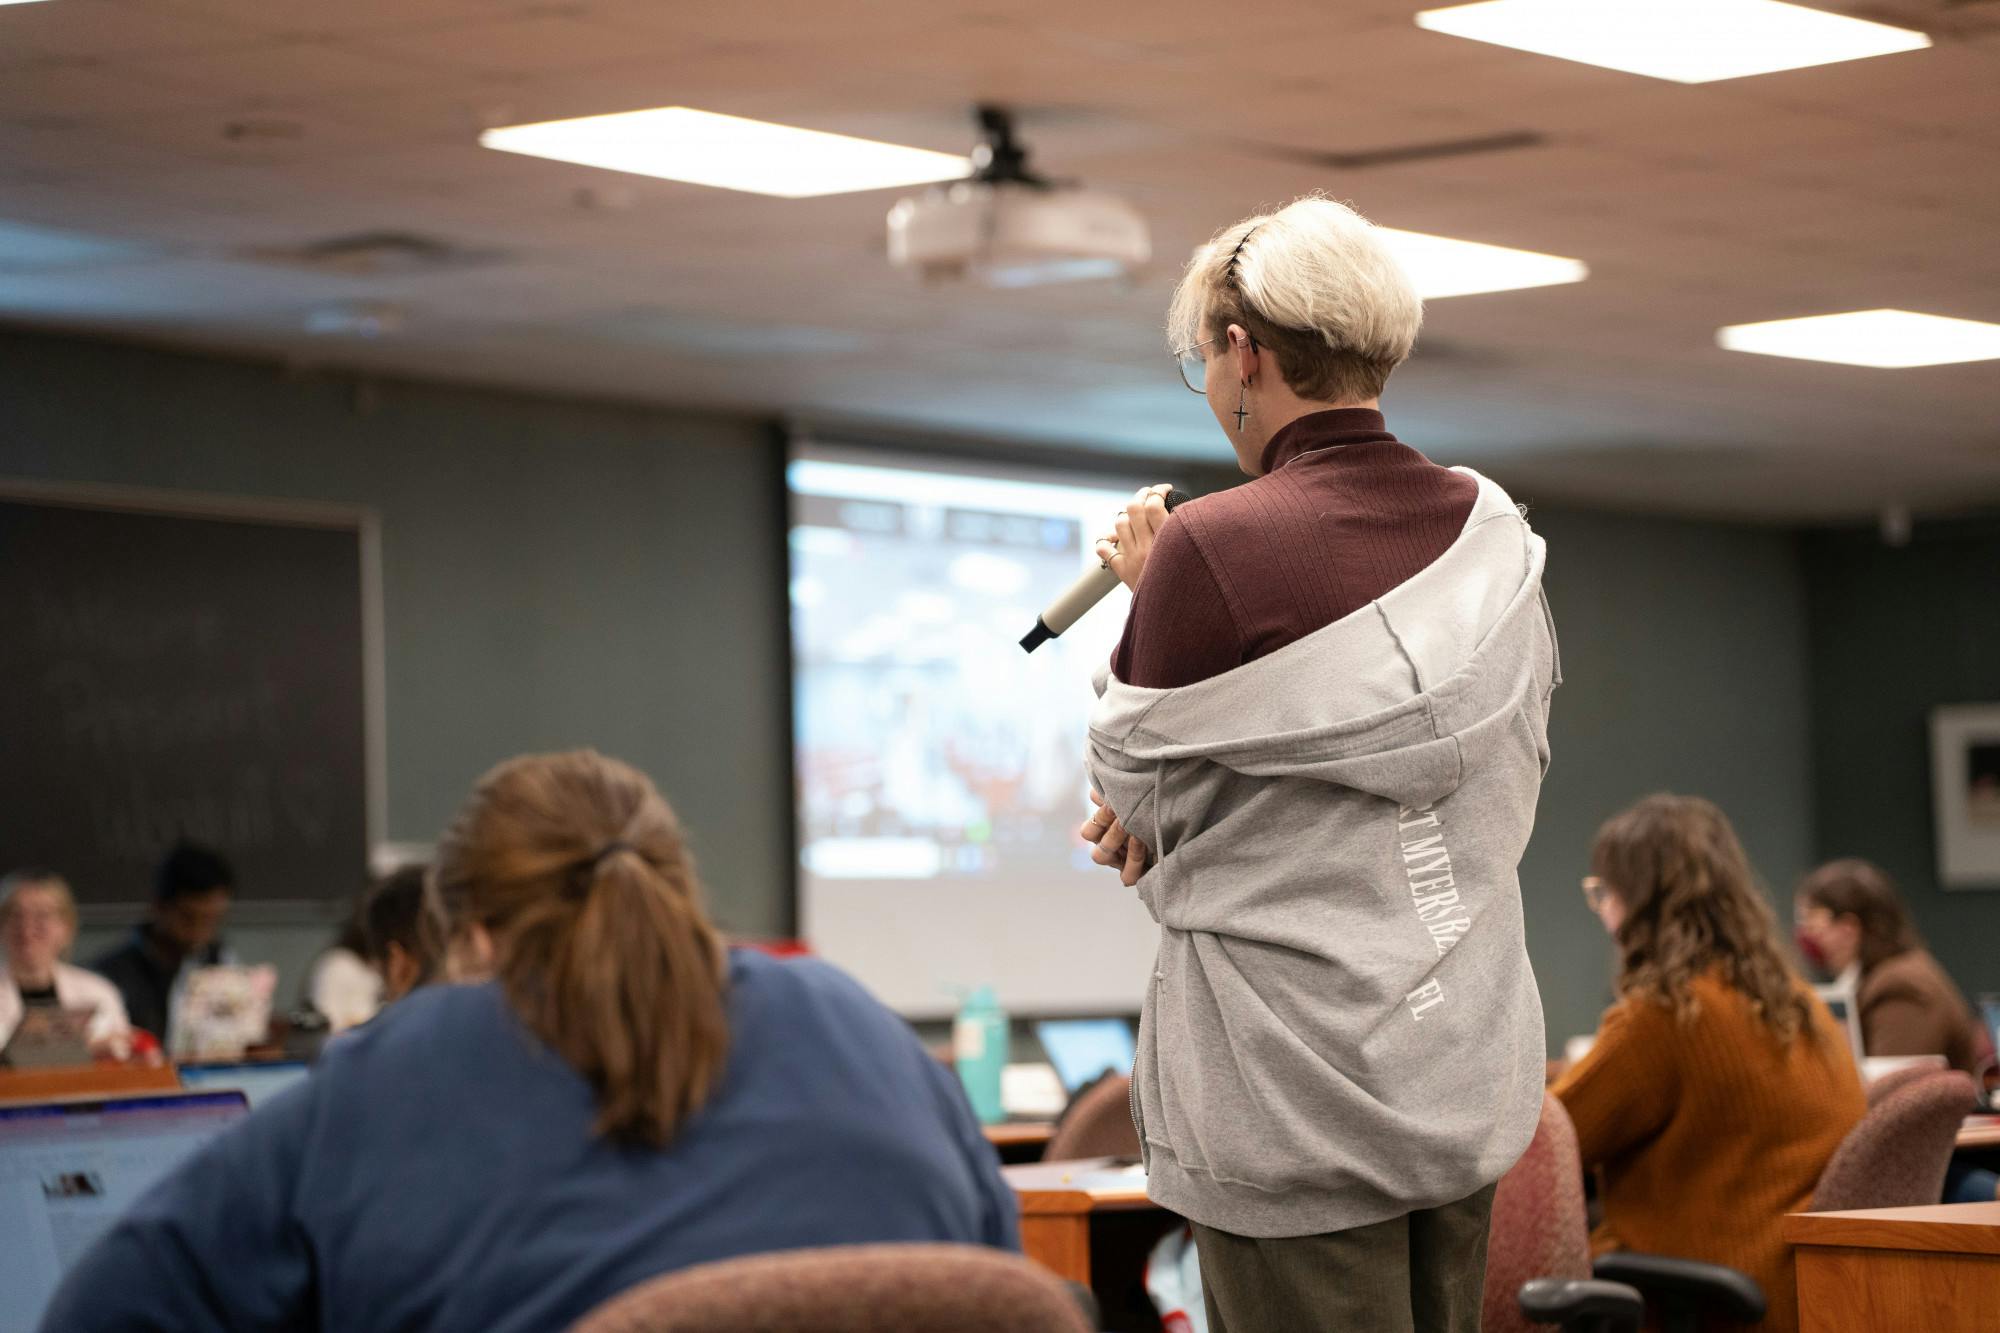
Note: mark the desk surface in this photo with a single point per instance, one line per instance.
(1951, 1228)
(1094, 1184)
(44, 1085)
(1980, 1131)
(1020, 1133)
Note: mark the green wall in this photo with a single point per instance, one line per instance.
(555, 574)
(1896, 632)
(1684, 669)
(561, 574)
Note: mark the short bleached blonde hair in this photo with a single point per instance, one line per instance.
(1312, 283)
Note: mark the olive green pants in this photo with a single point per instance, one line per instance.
(1423, 1272)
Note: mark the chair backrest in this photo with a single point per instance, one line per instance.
(1898, 1078)
(1896, 1157)
(849, 1289)
(1098, 1125)
(1539, 1229)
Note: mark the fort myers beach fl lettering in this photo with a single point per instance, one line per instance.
(1433, 892)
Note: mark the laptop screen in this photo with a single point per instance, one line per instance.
(1082, 1048)
(68, 1169)
(258, 1082)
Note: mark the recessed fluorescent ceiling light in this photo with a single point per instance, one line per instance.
(1892, 338)
(678, 143)
(1440, 266)
(1688, 41)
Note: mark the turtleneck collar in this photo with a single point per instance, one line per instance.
(1324, 430)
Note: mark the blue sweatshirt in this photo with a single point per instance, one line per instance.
(438, 1171)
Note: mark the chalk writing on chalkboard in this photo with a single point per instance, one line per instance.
(170, 676)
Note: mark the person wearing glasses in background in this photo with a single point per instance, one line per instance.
(1852, 925)
(1719, 1085)
(37, 928)
(1319, 748)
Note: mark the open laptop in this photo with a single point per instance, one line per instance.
(68, 1169)
(1846, 1012)
(49, 1038)
(222, 1012)
(1083, 1048)
(258, 1081)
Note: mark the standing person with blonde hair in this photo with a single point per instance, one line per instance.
(1719, 1085)
(37, 928)
(621, 1096)
(1319, 748)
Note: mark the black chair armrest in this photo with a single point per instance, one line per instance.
(1582, 1305)
(1683, 1287)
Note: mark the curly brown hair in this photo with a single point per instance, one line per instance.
(1692, 906)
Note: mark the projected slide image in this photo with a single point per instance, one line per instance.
(939, 767)
(920, 755)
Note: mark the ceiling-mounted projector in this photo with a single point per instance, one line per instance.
(1007, 227)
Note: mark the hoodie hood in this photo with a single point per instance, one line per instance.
(1386, 700)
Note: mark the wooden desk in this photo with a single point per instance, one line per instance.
(1934, 1270)
(49, 1085)
(1091, 1222)
(1980, 1131)
(1021, 1140)
(1058, 1200)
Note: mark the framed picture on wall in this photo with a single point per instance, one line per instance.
(1965, 792)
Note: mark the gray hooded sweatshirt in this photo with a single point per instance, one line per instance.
(1343, 1025)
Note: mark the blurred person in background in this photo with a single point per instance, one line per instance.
(192, 890)
(403, 938)
(1719, 1085)
(342, 986)
(621, 1096)
(1852, 925)
(37, 928)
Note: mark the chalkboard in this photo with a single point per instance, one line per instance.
(184, 674)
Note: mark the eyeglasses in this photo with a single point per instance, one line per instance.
(1194, 366)
(1595, 891)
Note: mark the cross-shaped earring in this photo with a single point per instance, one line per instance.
(1242, 412)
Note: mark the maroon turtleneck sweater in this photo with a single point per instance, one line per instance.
(1343, 513)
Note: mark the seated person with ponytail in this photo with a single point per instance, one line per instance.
(624, 1097)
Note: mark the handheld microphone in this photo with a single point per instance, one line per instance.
(1090, 588)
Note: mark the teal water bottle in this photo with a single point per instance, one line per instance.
(979, 1047)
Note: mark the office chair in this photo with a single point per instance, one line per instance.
(849, 1289)
(1538, 1247)
(1097, 1124)
(1900, 1078)
(1538, 1268)
(1897, 1156)
(1685, 1293)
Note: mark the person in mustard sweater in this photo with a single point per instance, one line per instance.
(1719, 1085)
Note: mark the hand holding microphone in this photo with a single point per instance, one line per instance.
(1121, 554)
(1124, 550)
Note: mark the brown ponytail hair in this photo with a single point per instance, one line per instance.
(576, 868)
(1692, 906)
